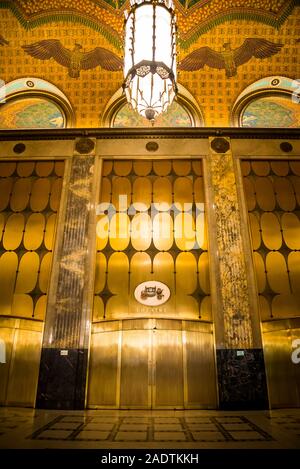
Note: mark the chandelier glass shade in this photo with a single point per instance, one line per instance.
(150, 56)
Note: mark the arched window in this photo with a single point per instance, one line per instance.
(33, 103)
(184, 112)
(270, 102)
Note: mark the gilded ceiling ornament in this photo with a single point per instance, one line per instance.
(229, 59)
(75, 60)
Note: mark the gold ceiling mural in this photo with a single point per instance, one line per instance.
(82, 49)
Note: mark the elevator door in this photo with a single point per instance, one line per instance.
(152, 363)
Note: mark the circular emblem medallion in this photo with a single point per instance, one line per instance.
(152, 293)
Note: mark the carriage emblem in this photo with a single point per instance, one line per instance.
(152, 293)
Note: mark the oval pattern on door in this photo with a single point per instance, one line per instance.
(34, 231)
(291, 230)
(271, 233)
(277, 272)
(13, 233)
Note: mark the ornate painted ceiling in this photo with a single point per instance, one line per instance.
(272, 26)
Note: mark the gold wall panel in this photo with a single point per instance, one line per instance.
(184, 231)
(135, 368)
(119, 234)
(203, 269)
(105, 193)
(122, 168)
(121, 193)
(261, 168)
(13, 232)
(100, 272)
(199, 197)
(294, 269)
(200, 370)
(280, 168)
(55, 194)
(182, 167)
(45, 168)
(284, 194)
(5, 191)
(20, 372)
(102, 230)
(22, 305)
(163, 231)
(7, 169)
(34, 231)
(255, 231)
(291, 230)
(142, 191)
(40, 194)
(186, 268)
(201, 231)
(271, 233)
(8, 270)
(141, 231)
(49, 234)
(168, 359)
(183, 193)
(265, 193)
(102, 389)
(2, 223)
(283, 375)
(98, 309)
(118, 284)
(277, 272)
(20, 194)
(276, 255)
(45, 272)
(162, 168)
(28, 272)
(40, 308)
(162, 194)
(142, 168)
(25, 169)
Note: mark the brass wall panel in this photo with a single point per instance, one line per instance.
(199, 197)
(280, 168)
(182, 167)
(163, 271)
(5, 191)
(55, 194)
(168, 359)
(200, 370)
(22, 305)
(121, 193)
(277, 272)
(163, 231)
(295, 166)
(162, 168)
(100, 277)
(271, 233)
(261, 168)
(186, 268)
(135, 386)
(102, 230)
(40, 308)
(141, 231)
(40, 194)
(281, 371)
(201, 231)
(105, 193)
(291, 230)
(7, 335)
(98, 309)
(7, 169)
(2, 223)
(183, 193)
(260, 272)
(119, 233)
(250, 194)
(28, 272)
(118, 283)
(24, 368)
(294, 268)
(8, 270)
(25, 169)
(45, 272)
(184, 231)
(284, 194)
(162, 194)
(142, 168)
(49, 234)
(13, 232)
(286, 305)
(34, 231)
(255, 231)
(45, 168)
(142, 194)
(20, 194)
(296, 186)
(264, 193)
(197, 167)
(102, 390)
(203, 269)
(107, 167)
(122, 168)
(206, 309)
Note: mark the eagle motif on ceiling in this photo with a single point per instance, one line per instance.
(229, 59)
(76, 59)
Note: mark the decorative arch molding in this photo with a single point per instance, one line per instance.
(184, 98)
(32, 87)
(277, 86)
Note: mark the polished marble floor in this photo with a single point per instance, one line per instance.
(112, 429)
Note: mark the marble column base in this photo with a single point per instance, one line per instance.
(62, 379)
(241, 379)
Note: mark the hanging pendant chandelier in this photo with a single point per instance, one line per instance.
(150, 56)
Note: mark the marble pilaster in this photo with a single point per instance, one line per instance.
(63, 368)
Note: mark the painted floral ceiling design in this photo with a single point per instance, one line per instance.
(194, 17)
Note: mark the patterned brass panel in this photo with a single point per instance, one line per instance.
(272, 193)
(145, 209)
(27, 222)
